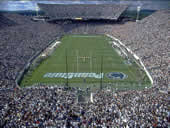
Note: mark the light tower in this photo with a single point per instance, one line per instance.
(138, 11)
(37, 9)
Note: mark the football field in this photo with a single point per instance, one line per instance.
(87, 61)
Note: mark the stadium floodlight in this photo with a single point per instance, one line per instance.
(138, 11)
(37, 9)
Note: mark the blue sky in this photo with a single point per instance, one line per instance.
(31, 5)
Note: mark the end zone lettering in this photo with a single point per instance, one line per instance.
(74, 75)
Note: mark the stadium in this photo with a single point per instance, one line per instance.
(84, 65)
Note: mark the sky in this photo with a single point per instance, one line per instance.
(32, 4)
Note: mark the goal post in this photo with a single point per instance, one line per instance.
(82, 60)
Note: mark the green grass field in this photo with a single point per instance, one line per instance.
(84, 53)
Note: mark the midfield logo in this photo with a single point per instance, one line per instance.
(116, 75)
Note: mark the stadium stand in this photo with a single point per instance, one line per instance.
(57, 106)
(83, 11)
(151, 43)
(19, 43)
(5, 22)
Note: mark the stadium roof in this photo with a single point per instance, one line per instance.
(83, 11)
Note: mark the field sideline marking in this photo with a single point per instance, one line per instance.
(135, 56)
(85, 36)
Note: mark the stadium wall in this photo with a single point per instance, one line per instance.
(120, 45)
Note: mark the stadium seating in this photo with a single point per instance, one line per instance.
(43, 106)
(83, 11)
(5, 22)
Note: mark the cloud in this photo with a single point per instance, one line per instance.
(17, 5)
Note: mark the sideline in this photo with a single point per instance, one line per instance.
(84, 36)
(134, 55)
(30, 61)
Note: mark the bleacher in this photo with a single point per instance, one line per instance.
(5, 22)
(83, 11)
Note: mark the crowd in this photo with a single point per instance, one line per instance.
(149, 39)
(5, 22)
(19, 43)
(85, 11)
(54, 106)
